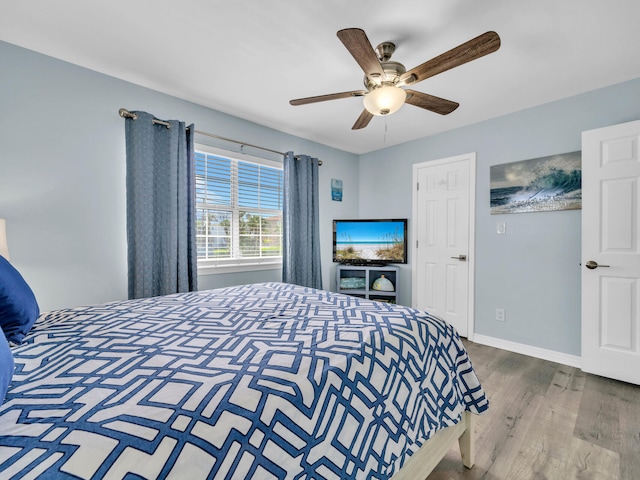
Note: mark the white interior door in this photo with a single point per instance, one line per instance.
(611, 240)
(443, 221)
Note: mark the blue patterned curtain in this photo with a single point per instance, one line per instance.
(301, 236)
(161, 233)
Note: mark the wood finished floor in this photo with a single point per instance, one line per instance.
(549, 421)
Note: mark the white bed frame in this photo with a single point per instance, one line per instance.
(422, 463)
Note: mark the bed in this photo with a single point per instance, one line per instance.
(261, 381)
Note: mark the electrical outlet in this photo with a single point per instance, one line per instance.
(500, 315)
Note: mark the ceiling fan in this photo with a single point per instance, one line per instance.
(384, 79)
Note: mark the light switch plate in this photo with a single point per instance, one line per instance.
(501, 228)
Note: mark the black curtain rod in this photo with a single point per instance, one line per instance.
(124, 113)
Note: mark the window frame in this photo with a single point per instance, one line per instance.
(232, 265)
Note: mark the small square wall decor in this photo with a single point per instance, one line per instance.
(336, 190)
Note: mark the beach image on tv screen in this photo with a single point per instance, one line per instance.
(370, 241)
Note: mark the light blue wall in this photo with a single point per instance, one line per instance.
(533, 271)
(62, 191)
(62, 175)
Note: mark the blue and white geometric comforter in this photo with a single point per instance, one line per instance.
(259, 381)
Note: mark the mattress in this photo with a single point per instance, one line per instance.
(262, 381)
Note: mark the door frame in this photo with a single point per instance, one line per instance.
(471, 159)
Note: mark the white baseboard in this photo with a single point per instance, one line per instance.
(537, 352)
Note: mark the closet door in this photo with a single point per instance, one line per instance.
(443, 221)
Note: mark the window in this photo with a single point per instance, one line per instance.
(238, 211)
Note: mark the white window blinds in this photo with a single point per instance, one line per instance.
(238, 209)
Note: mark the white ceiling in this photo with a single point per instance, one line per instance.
(248, 58)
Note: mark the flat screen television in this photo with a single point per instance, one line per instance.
(370, 242)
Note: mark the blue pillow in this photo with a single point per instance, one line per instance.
(6, 366)
(18, 307)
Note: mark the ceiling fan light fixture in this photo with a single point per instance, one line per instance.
(384, 100)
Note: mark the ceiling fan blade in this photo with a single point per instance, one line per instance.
(324, 98)
(431, 102)
(475, 48)
(363, 120)
(360, 48)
